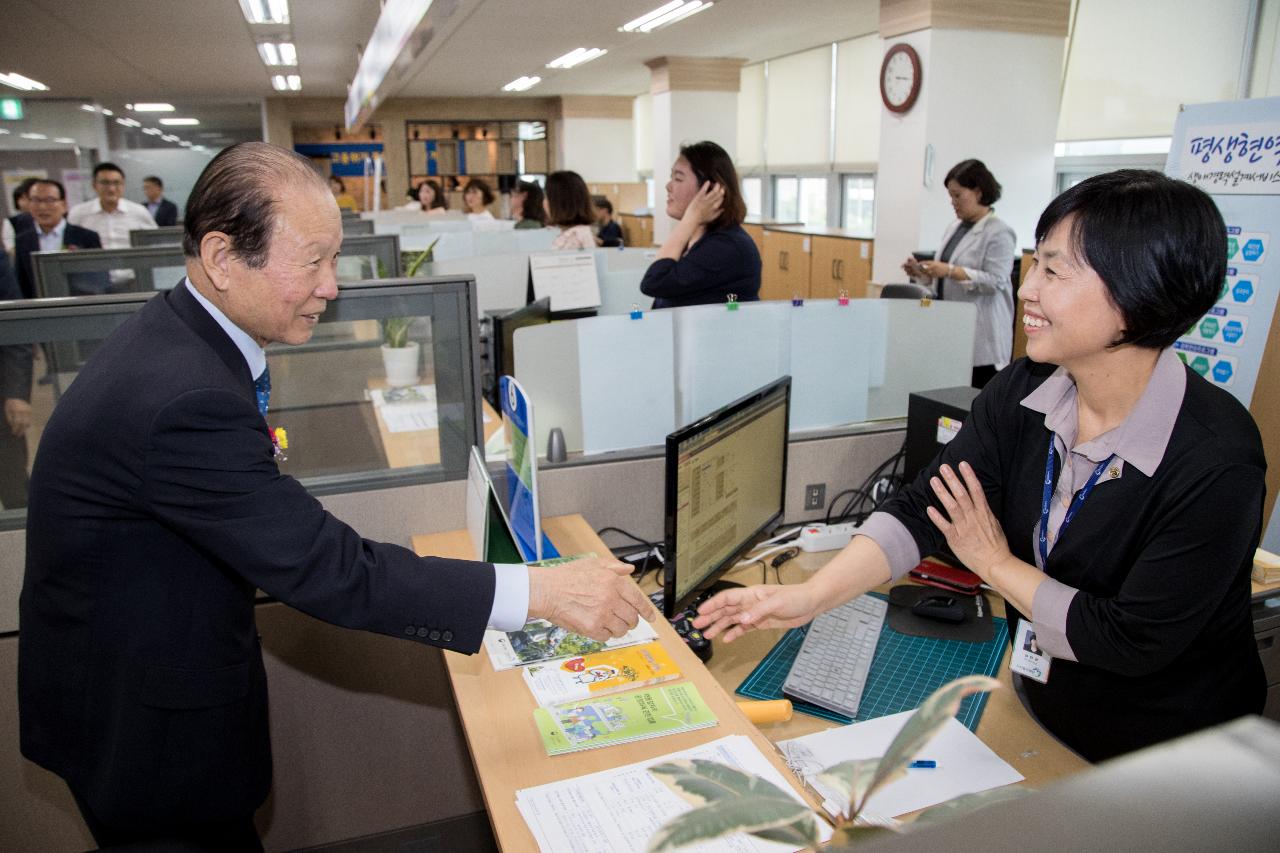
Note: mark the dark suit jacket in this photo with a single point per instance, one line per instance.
(15, 361)
(21, 222)
(156, 509)
(166, 213)
(26, 242)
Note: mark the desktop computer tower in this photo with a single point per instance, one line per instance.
(933, 419)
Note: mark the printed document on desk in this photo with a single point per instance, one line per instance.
(965, 764)
(620, 809)
(569, 278)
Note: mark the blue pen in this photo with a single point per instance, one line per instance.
(923, 764)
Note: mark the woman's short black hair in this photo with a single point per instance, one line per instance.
(974, 175)
(533, 196)
(712, 163)
(1158, 244)
(568, 200)
(485, 190)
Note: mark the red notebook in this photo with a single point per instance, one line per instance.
(941, 575)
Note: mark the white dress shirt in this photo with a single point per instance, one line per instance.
(511, 580)
(113, 228)
(51, 241)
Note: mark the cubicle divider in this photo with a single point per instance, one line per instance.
(595, 378)
(165, 235)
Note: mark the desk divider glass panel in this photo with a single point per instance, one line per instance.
(165, 235)
(91, 272)
(358, 414)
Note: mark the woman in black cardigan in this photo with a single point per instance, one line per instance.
(1103, 488)
(707, 257)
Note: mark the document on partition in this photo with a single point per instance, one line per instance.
(406, 409)
(569, 278)
(965, 764)
(619, 809)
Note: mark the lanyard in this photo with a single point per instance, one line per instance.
(1075, 504)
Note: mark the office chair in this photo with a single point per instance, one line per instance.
(905, 291)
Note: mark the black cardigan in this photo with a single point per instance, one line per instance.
(1161, 625)
(722, 262)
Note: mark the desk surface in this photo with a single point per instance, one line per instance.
(496, 708)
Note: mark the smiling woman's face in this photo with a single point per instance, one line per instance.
(681, 189)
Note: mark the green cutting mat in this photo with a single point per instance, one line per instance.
(904, 671)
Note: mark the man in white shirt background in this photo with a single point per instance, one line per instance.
(110, 214)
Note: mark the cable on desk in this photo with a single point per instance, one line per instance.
(863, 500)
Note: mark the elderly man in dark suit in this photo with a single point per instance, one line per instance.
(52, 232)
(157, 508)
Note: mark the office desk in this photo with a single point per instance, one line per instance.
(496, 708)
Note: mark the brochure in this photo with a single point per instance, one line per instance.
(599, 674)
(622, 718)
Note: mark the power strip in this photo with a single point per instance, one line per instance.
(826, 537)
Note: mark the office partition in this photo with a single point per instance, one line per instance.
(165, 235)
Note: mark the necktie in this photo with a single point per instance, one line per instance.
(262, 390)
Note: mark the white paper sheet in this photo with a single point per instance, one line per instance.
(965, 764)
(619, 809)
(407, 409)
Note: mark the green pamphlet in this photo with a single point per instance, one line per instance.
(622, 718)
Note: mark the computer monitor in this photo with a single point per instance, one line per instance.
(726, 477)
(502, 347)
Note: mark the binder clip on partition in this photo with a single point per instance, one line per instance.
(797, 300)
(843, 298)
(731, 302)
(636, 313)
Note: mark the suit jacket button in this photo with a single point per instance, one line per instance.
(409, 630)
(422, 632)
(447, 636)
(434, 635)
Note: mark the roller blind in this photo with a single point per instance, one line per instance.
(1133, 62)
(858, 100)
(751, 119)
(642, 118)
(798, 123)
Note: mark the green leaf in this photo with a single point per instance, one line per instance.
(750, 814)
(802, 833)
(967, 803)
(701, 782)
(921, 727)
(849, 836)
(851, 778)
(425, 256)
(395, 331)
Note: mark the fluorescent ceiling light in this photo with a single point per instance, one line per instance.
(286, 83)
(665, 15)
(167, 138)
(180, 122)
(33, 136)
(577, 56)
(129, 122)
(107, 113)
(185, 144)
(3, 132)
(278, 53)
(150, 108)
(65, 140)
(520, 84)
(89, 108)
(265, 11)
(152, 131)
(26, 84)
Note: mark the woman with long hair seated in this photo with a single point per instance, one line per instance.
(707, 257)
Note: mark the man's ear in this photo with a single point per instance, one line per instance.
(216, 256)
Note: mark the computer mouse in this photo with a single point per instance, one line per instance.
(943, 607)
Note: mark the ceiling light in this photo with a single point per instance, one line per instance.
(65, 140)
(168, 138)
(185, 144)
(265, 11)
(278, 53)
(150, 108)
(107, 113)
(89, 108)
(152, 131)
(577, 56)
(665, 15)
(180, 122)
(3, 132)
(129, 122)
(26, 84)
(520, 84)
(286, 83)
(33, 136)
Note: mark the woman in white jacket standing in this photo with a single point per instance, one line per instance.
(975, 265)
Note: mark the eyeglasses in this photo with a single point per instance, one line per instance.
(39, 199)
(107, 183)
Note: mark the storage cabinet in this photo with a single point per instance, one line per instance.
(786, 262)
(840, 264)
(636, 230)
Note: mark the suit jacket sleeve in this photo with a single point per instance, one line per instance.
(209, 473)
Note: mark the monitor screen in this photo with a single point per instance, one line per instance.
(726, 475)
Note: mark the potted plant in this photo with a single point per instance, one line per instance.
(726, 800)
(399, 354)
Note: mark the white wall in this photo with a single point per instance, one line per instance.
(601, 150)
(678, 119)
(177, 167)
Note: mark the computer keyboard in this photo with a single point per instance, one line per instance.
(832, 665)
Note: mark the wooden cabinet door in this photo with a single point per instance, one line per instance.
(839, 265)
(756, 233)
(786, 266)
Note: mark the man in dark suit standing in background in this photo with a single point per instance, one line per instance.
(47, 202)
(163, 211)
(15, 390)
(157, 508)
